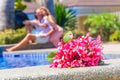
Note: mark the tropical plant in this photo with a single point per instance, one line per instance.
(65, 17)
(105, 25)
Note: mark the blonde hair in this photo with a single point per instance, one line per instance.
(46, 10)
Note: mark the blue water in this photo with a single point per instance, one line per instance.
(22, 60)
(8, 61)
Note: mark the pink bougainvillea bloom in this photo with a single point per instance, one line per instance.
(80, 52)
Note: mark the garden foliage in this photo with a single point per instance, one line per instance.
(106, 25)
(19, 5)
(10, 36)
(65, 17)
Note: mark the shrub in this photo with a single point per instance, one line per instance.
(10, 36)
(104, 25)
(19, 5)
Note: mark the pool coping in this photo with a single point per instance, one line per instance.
(109, 71)
(32, 46)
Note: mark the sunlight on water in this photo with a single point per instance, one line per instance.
(22, 60)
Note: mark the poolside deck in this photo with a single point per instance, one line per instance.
(107, 47)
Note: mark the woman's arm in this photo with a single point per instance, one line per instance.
(48, 33)
(37, 23)
(51, 20)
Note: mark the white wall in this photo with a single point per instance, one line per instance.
(84, 11)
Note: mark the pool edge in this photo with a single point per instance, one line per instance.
(109, 71)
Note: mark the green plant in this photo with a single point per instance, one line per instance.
(10, 36)
(115, 36)
(29, 0)
(50, 56)
(65, 18)
(104, 25)
(19, 5)
(68, 36)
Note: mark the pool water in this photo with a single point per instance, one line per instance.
(111, 56)
(22, 60)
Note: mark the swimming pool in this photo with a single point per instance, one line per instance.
(22, 60)
(26, 59)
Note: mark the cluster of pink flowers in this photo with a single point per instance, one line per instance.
(80, 52)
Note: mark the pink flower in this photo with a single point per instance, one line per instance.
(83, 51)
(76, 63)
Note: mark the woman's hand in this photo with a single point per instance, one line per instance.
(35, 22)
(27, 22)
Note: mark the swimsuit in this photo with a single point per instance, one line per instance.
(40, 30)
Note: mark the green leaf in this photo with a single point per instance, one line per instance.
(101, 62)
(68, 36)
(64, 16)
(50, 56)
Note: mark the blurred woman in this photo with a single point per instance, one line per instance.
(58, 31)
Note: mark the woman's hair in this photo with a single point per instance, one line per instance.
(35, 13)
(46, 10)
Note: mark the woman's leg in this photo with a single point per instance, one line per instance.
(55, 37)
(24, 42)
(29, 29)
(28, 26)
